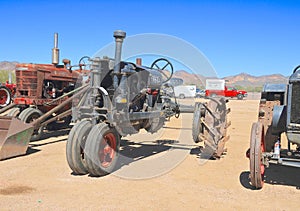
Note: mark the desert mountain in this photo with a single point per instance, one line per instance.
(5, 65)
(246, 80)
(242, 79)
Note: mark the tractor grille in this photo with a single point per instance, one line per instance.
(26, 83)
(295, 103)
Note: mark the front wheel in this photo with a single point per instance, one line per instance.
(102, 149)
(30, 115)
(75, 147)
(257, 168)
(14, 112)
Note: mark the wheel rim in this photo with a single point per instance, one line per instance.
(262, 150)
(108, 146)
(257, 147)
(4, 97)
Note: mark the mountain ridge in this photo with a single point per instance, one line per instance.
(242, 79)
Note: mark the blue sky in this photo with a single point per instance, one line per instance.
(256, 37)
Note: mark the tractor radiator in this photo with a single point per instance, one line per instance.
(295, 104)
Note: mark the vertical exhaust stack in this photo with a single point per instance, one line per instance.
(119, 37)
(9, 77)
(55, 51)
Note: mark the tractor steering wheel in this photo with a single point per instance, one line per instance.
(168, 63)
(83, 62)
(296, 68)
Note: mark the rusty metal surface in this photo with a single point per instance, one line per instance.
(265, 117)
(30, 79)
(14, 137)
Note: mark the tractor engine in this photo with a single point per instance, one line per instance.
(38, 84)
(126, 95)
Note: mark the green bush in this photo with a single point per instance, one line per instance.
(4, 76)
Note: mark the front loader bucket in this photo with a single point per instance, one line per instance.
(14, 137)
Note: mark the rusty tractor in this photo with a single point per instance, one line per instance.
(43, 100)
(278, 113)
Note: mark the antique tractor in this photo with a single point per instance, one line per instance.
(122, 99)
(43, 99)
(279, 112)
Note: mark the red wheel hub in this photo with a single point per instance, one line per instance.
(108, 147)
(3, 97)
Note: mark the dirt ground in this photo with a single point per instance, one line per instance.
(42, 180)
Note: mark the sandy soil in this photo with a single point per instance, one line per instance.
(42, 180)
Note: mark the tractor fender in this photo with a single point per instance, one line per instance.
(279, 119)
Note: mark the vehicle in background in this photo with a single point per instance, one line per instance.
(184, 91)
(217, 87)
(200, 93)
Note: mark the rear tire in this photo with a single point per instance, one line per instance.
(30, 115)
(75, 147)
(5, 96)
(181, 96)
(102, 150)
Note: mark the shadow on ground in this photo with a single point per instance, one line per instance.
(275, 175)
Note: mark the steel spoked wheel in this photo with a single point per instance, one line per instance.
(102, 150)
(5, 96)
(257, 168)
(30, 115)
(75, 147)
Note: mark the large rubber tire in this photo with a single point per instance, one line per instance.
(153, 125)
(181, 96)
(14, 112)
(240, 96)
(75, 147)
(29, 115)
(102, 150)
(5, 96)
(216, 119)
(257, 169)
(197, 127)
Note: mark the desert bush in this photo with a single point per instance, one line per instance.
(4, 76)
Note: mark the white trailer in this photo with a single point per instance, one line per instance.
(185, 91)
(215, 84)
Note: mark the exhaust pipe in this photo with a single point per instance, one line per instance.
(119, 37)
(55, 51)
(9, 77)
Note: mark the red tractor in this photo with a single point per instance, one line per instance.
(7, 91)
(43, 100)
